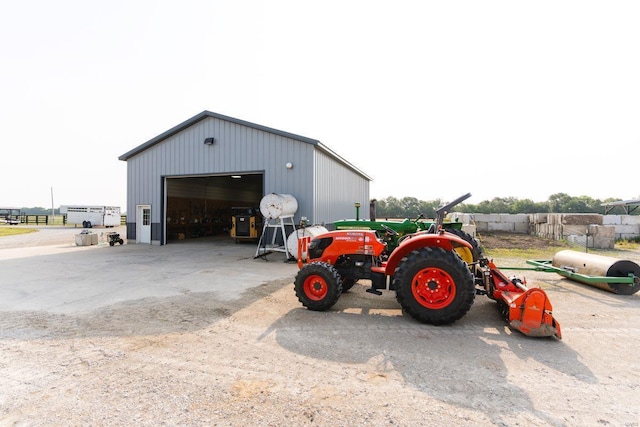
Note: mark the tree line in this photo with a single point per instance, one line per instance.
(39, 211)
(411, 207)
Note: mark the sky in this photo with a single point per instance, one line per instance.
(431, 99)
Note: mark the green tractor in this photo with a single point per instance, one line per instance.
(393, 231)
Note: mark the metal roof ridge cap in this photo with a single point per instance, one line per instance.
(164, 135)
(342, 160)
(263, 128)
(202, 115)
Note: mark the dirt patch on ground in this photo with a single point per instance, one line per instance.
(502, 240)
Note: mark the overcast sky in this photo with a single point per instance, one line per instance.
(431, 99)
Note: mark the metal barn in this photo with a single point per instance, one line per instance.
(189, 181)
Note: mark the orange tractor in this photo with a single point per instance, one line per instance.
(435, 275)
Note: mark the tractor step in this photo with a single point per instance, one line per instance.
(374, 291)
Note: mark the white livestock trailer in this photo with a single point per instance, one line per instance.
(90, 216)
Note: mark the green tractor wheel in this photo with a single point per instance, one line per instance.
(476, 251)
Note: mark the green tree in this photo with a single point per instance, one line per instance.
(389, 208)
(411, 207)
(557, 201)
(528, 206)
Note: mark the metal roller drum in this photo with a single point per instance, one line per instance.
(599, 266)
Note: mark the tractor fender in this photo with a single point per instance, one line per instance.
(445, 241)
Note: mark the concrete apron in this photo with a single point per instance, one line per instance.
(65, 278)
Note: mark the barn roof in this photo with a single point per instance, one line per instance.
(206, 114)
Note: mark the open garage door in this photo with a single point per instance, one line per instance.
(203, 206)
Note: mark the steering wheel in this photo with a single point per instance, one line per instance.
(389, 230)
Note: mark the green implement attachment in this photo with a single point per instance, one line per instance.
(607, 273)
(625, 284)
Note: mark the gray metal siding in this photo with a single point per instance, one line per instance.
(336, 189)
(297, 181)
(236, 149)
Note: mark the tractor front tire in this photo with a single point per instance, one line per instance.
(434, 286)
(318, 286)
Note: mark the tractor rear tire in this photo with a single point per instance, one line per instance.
(476, 250)
(318, 286)
(434, 286)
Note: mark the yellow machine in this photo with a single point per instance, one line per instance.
(244, 223)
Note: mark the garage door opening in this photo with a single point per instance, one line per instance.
(204, 206)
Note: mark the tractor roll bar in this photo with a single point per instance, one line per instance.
(443, 210)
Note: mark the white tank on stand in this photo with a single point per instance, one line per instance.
(278, 211)
(274, 206)
(292, 240)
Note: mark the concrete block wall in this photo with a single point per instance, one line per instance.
(601, 236)
(470, 229)
(575, 227)
(518, 223)
(468, 225)
(627, 226)
(598, 231)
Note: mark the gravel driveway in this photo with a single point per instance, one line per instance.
(202, 334)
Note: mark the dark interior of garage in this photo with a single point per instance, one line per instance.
(213, 205)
